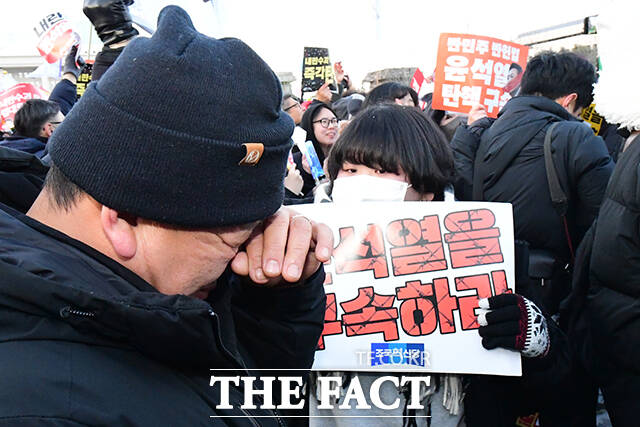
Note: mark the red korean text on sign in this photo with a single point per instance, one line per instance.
(13, 98)
(476, 69)
(418, 312)
(332, 326)
(354, 253)
(416, 245)
(370, 313)
(56, 37)
(473, 239)
(425, 305)
(481, 285)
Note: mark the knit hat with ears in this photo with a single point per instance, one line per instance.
(183, 129)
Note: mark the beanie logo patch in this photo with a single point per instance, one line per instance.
(254, 154)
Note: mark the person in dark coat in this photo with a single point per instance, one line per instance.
(36, 120)
(612, 307)
(130, 282)
(34, 123)
(503, 161)
(613, 300)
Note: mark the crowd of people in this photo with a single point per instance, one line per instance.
(144, 241)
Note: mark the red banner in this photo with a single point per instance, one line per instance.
(12, 99)
(476, 69)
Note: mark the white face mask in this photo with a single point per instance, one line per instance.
(362, 188)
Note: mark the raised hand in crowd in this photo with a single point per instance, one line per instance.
(324, 94)
(477, 112)
(114, 26)
(111, 20)
(72, 65)
(283, 249)
(293, 181)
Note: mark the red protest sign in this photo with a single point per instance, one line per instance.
(476, 69)
(56, 37)
(12, 99)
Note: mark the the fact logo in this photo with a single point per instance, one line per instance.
(254, 154)
(261, 389)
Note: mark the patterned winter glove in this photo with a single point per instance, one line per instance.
(512, 321)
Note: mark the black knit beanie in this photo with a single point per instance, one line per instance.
(182, 129)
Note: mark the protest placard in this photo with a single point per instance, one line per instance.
(316, 68)
(56, 37)
(404, 281)
(476, 69)
(12, 99)
(591, 116)
(84, 78)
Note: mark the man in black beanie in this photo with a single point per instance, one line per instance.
(158, 249)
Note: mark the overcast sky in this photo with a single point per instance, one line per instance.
(365, 35)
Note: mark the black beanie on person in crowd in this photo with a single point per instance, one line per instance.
(182, 129)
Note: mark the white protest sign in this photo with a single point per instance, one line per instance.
(56, 37)
(403, 284)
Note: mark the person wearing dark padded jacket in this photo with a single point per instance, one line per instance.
(503, 161)
(158, 249)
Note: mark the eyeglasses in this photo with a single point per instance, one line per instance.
(325, 123)
(297, 104)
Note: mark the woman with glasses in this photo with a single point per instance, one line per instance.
(321, 124)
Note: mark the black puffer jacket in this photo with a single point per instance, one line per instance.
(21, 178)
(84, 341)
(613, 301)
(509, 167)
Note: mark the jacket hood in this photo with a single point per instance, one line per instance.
(53, 287)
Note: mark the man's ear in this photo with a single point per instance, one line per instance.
(119, 233)
(47, 130)
(567, 100)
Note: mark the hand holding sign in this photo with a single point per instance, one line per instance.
(324, 93)
(73, 63)
(111, 20)
(285, 248)
(512, 321)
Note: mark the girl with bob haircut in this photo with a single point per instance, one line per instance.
(393, 153)
(396, 143)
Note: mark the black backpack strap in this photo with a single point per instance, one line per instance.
(559, 198)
